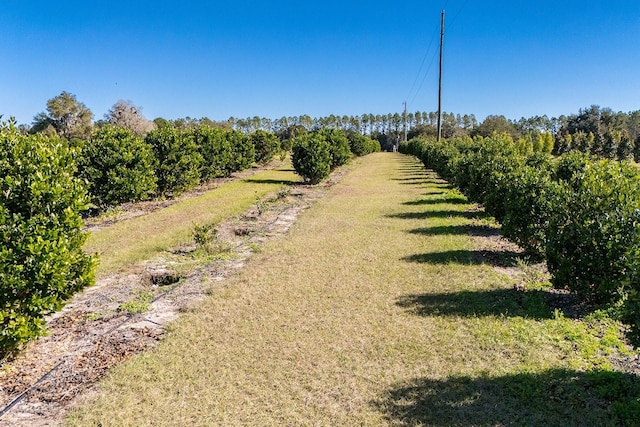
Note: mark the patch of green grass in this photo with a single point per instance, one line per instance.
(140, 304)
(254, 247)
(214, 250)
(341, 323)
(95, 316)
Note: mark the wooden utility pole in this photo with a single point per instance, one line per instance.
(440, 78)
(405, 121)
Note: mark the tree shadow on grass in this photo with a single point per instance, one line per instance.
(412, 177)
(556, 397)
(503, 258)
(272, 181)
(411, 180)
(498, 302)
(461, 230)
(438, 201)
(447, 213)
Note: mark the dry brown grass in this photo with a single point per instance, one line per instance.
(362, 315)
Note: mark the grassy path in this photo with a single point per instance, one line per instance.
(374, 310)
(138, 239)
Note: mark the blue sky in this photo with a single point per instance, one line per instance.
(245, 58)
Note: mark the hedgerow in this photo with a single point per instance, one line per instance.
(118, 165)
(243, 153)
(41, 259)
(215, 149)
(178, 159)
(361, 145)
(338, 146)
(581, 215)
(594, 234)
(265, 144)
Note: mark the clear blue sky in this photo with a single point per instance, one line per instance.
(274, 58)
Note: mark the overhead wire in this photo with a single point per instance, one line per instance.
(455, 17)
(419, 73)
(433, 58)
(424, 58)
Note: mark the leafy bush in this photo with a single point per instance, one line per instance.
(528, 203)
(594, 233)
(118, 165)
(178, 167)
(584, 216)
(216, 151)
(41, 259)
(361, 145)
(265, 144)
(630, 310)
(570, 167)
(242, 152)
(311, 157)
(338, 146)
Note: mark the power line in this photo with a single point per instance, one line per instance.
(424, 58)
(433, 58)
(457, 14)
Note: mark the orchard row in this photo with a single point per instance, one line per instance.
(578, 213)
(47, 183)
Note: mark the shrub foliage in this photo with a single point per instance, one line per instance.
(215, 149)
(581, 215)
(41, 259)
(338, 146)
(118, 165)
(178, 159)
(265, 144)
(311, 157)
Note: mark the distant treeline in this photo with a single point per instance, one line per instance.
(593, 130)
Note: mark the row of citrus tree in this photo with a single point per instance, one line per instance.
(120, 166)
(314, 155)
(580, 214)
(46, 183)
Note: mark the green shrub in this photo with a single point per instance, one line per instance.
(482, 171)
(338, 146)
(630, 310)
(361, 145)
(528, 203)
(570, 167)
(311, 157)
(216, 152)
(178, 167)
(265, 144)
(242, 152)
(439, 156)
(373, 145)
(539, 161)
(118, 165)
(594, 233)
(584, 216)
(41, 259)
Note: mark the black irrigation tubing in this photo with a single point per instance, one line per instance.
(22, 395)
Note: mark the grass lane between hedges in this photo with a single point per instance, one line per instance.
(142, 238)
(374, 310)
